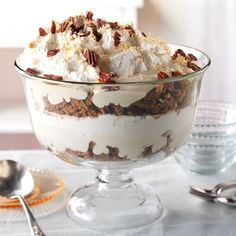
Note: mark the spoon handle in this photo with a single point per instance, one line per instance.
(34, 227)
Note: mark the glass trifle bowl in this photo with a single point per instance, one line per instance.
(114, 128)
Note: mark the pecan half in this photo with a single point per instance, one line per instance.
(42, 32)
(114, 25)
(63, 26)
(177, 53)
(54, 77)
(104, 77)
(193, 66)
(89, 15)
(52, 52)
(130, 30)
(92, 58)
(162, 75)
(175, 73)
(100, 22)
(53, 27)
(116, 39)
(97, 35)
(191, 57)
(32, 71)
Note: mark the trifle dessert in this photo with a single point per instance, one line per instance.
(106, 95)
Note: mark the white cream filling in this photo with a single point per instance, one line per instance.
(130, 134)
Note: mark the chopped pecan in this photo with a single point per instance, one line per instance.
(53, 27)
(89, 15)
(92, 58)
(114, 25)
(144, 34)
(162, 75)
(104, 77)
(85, 34)
(191, 57)
(100, 22)
(32, 71)
(97, 35)
(63, 26)
(116, 39)
(177, 53)
(52, 52)
(54, 77)
(42, 32)
(77, 25)
(175, 73)
(130, 30)
(193, 66)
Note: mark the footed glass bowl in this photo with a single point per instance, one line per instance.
(114, 128)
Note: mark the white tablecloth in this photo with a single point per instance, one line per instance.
(185, 214)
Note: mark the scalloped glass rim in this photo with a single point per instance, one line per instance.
(216, 102)
(154, 81)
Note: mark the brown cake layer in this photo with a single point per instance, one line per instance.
(160, 100)
(113, 152)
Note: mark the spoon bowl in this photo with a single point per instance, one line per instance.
(204, 193)
(15, 179)
(16, 182)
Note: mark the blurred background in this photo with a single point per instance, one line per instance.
(209, 25)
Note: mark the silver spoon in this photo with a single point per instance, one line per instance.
(204, 193)
(229, 201)
(215, 193)
(15, 182)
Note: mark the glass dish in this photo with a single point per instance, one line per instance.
(114, 128)
(212, 146)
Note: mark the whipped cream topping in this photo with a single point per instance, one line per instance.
(86, 50)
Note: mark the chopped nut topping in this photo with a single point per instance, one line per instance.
(180, 52)
(42, 32)
(54, 77)
(53, 27)
(92, 58)
(191, 57)
(77, 26)
(52, 52)
(130, 30)
(104, 77)
(193, 66)
(162, 75)
(100, 22)
(63, 26)
(114, 25)
(116, 39)
(144, 34)
(32, 71)
(97, 35)
(85, 34)
(89, 15)
(177, 53)
(175, 73)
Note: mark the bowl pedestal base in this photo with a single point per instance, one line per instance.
(114, 202)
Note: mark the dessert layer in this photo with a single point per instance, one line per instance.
(160, 100)
(109, 137)
(85, 49)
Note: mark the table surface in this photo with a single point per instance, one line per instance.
(185, 214)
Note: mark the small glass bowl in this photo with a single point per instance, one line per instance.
(212, 145)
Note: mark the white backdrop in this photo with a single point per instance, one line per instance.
(209, 25)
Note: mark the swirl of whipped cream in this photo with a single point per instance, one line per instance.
(86, 50)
